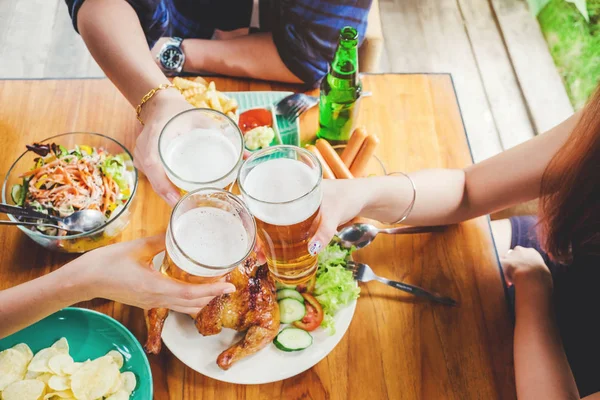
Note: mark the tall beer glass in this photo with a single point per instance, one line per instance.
(282, 187)
(201, 148)
(210, 233)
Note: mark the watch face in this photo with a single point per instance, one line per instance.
(171, 58)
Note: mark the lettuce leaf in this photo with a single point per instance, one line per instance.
(114, 167)
(335, 286)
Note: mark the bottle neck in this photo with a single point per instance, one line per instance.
(345, 62)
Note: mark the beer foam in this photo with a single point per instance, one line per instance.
(210, 236)
(281, 180)
(201, 155)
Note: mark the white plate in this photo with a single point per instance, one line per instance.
(268, 365)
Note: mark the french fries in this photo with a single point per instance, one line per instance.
(202, 94)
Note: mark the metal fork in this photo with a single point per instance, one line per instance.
(364, 273)
(292, 106)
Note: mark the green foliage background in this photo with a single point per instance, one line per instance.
(575, 46)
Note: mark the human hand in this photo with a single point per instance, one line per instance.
(523, 263)
(158, 111)
(341, 203)
(123, 272)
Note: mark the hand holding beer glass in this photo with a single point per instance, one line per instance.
(201, 148)
(210, 233)
(281, 186)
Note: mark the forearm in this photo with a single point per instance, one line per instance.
(25, 304)
(113, 34)
(253, 56)
(440, 197)
(541, 366)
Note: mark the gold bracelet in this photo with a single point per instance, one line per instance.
(409, 209)
(148, 96)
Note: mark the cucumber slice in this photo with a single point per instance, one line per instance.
(293, 339)
(279, 286)
(17, 194)
(291, 310)
(289, 294)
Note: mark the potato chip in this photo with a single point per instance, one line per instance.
(39, 362)
(120, 395)
(59, 362)
(94, 380)
(29, 389)
(44, 378)
(212, 87)
(129, 381)
(118, 385)
(70, 369)
(32, 375)
(61, 345)
(65, 394)
(58, 383)
(117, 357)
(13, 367)
(200, 80)
(25, 350)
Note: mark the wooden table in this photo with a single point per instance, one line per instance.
(397, 347)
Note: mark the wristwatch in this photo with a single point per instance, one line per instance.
(170, 58)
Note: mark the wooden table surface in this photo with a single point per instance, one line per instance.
(397, 347)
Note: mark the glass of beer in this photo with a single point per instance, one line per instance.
(201, 148)
(210, 233)
(282, 187)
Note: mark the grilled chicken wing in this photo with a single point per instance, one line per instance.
(252, 308)
(155, 319)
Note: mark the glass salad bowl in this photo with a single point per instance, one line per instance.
(88, 162)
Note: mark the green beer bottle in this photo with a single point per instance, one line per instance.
(340, 90)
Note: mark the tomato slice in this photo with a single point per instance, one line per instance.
(253, 118)
(314, 314)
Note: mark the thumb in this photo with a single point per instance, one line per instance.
(323, 236)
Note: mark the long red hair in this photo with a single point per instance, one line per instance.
(570, 192)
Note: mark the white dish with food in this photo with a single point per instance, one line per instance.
(293, 353)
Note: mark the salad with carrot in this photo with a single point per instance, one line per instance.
(64, 181)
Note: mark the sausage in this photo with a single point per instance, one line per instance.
(327, 172)
(353, 147)
(333, 160)
(364, 155)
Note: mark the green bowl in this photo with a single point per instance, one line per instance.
(90, 335)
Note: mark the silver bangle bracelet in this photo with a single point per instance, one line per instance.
(412, 203)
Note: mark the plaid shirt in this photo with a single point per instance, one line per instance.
(305, 32)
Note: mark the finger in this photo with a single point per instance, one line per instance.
(148, 162)
(196, 292)
(186, 310)
(322, 237)
(198, 303)
(161, 184)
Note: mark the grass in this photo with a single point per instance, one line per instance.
(574, 45)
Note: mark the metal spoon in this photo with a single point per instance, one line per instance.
(80, 221)
(361, 235)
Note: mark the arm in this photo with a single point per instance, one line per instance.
(445, 196)
(541, 367)
(254, 56)
(27, 303)
(112, 32)
(119, 272)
